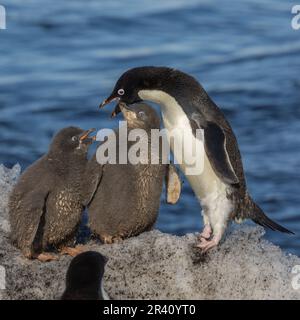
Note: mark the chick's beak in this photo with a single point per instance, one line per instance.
(117, 109)
(120, 107)
(86, 138)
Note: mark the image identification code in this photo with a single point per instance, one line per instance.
(151, 309)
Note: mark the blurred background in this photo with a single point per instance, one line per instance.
(59, 59)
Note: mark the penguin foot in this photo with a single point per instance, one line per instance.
(206, 233)
(112, 239)
(117, 239)
(46, 257)
(107, 239)
(73, 252)
(206, 245)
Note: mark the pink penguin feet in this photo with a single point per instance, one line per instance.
(206, 241)
(205, 244)
(206, 232)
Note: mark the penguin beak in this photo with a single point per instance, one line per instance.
(110, 99)
(85, 136)
(117, 109)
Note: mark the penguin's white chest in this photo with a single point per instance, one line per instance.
(205, 181)
(208, 187)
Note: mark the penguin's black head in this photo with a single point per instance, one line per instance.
(72, 140)
(140, 115)
(134, 80)
(84, 277)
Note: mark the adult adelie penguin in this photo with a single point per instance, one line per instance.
(46, 204)
(221, 187)
(126, 201)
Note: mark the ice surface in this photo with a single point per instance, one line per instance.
(8, 178)
(158, 265)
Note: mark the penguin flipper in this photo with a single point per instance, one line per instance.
(173, 184)
(26, 213)
(91, 180)
(215, 147)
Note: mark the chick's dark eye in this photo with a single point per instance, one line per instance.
(74, 138)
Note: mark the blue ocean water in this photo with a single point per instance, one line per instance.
(59, 59)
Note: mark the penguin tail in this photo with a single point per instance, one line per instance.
(259, 217)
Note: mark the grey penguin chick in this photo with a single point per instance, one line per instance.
(221, 185)
(46, 204)
(126, 200)
(84, 279)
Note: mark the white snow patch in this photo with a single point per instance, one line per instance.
(8, 178)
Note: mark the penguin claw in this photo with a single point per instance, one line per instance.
(73, 252)
(112, 239)
(206, 245)
(46, 257)
(106, 239)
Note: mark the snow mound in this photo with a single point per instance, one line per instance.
(155, 265)
(8, 178)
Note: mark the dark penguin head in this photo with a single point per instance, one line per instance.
(84, 277)
(136, 84)
(71, 140)
(140, 115)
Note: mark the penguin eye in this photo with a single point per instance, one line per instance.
(141, 114)
(74, 138)
(121, 92)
